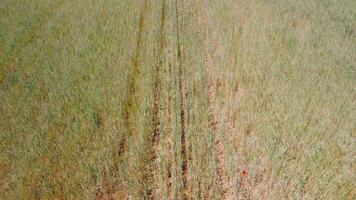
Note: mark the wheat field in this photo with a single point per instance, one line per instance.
(177, 99)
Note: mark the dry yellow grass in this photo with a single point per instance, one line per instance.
(169, 99)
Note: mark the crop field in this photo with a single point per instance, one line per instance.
(178, 99)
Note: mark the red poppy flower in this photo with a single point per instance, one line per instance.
(244, 173)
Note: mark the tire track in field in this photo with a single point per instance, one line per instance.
(157, 85)
(130, 101)
(170, 129)
(209, 73)
(184, 166)
(169, 120)
(21, 43)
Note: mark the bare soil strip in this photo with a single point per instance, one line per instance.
(129, 105)
(209, 73)
(184, 166)
(156, 104)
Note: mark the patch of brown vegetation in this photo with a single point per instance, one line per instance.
(130, 100)
(156, 106)
(212, 84)
(184, 165)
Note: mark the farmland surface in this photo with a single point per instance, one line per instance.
(177, 99)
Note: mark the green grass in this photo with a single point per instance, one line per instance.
(77, 104)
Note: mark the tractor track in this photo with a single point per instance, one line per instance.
(170, 59)
(209, 78)
(129, 103)
(157, 85)
(184, 166)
